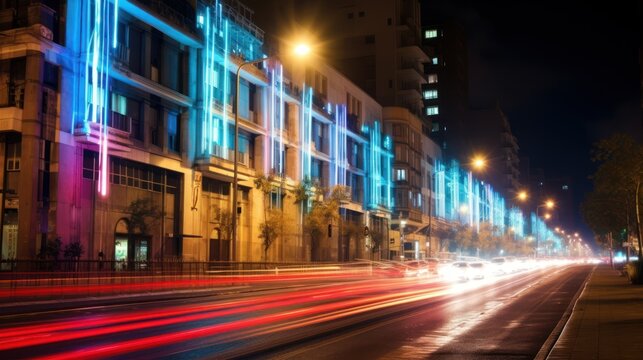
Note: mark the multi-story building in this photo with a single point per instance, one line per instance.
(446, 93)
(488, 134)
(118, 133)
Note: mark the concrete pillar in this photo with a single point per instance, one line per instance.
(260, 154)
(28, 219)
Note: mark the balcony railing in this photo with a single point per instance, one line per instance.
(161, 8)
(228, 154)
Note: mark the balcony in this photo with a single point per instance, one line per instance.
(353, 123)
(185, 21)
(165, 18)
(118, 132)
(414, 67)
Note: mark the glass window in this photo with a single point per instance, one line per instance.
(432, 110)
(434, 60)
(173, 132)
(430, 94)
(433, 78)
(429, 34)
(400, 174)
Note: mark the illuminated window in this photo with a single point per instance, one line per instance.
(173, 132)
(565, 187)
(432, 110)
(433, 78)
(430, 34)
(430, 94)
(434, 60)
(400, 174)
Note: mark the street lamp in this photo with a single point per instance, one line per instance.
(402, 225)
(549, 204)
(478, 162)
(300, 50)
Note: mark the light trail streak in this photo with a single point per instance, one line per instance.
(324, 312)
(165, 285)
(42, 334)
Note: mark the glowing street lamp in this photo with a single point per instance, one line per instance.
(479, 162)
(522, 195)
(300, 50)
(549, 204)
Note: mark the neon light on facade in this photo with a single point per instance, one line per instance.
(339, 141)
(97, 64)
(378, 172)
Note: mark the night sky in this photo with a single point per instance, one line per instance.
(566, 73)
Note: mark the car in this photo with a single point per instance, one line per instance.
(499, 266)
(433, 265)
(416, 268)
(458, 271)
(478, 270)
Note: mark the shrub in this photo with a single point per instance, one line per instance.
(634, 270)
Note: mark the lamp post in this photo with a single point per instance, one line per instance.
(299, 50)
(235, 180)
(548, 204)
(402, 225)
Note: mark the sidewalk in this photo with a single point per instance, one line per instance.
(607, 321)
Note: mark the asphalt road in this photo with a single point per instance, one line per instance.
(505, 317)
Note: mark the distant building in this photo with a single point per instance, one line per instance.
(446, 93)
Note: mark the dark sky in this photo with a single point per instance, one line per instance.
(566, 73)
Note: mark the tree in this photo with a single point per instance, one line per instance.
(485, 241)
(74, 250)
(614, 204)
(462, 236)
(223, 217)
(270, 228)
(377, 239)
(143, 214)
(51, 250)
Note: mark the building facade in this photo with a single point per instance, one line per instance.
(117, 125)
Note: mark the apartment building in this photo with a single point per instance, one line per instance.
(117, 129)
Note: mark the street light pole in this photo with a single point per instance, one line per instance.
(236, 151)
(548, 204)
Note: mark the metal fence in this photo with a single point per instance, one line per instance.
(50, 279)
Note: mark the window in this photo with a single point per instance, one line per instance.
(361, 14)
(565, 187)
(389, 21)
(432, 110)
(430, 34)
(156, 119)
(354, 105)
(430, 94)
(400, 174)
(434, 60)
(173, 132)
(400, 153)
(13, 156)
(433, 78)
(369, 39)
